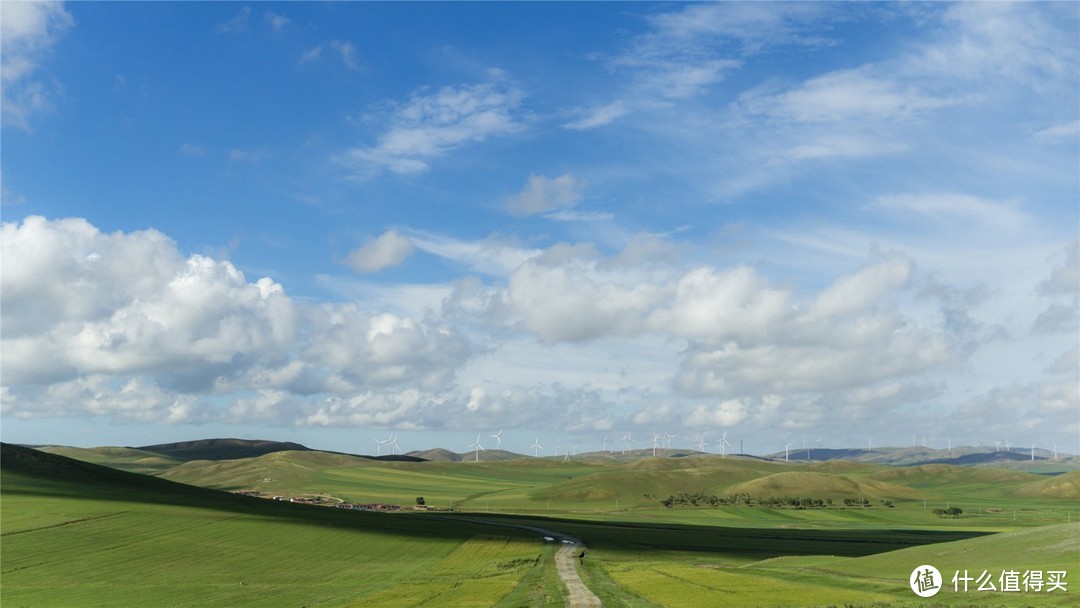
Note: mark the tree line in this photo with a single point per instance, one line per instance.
(700, 499)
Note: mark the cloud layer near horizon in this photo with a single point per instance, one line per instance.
(124, 325)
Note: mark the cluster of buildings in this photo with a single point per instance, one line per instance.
(323, 501)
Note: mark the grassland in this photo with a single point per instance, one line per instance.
(79, 535)
(62, 530)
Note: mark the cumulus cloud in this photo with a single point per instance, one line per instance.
(28, 30)
(388, 250)
(93, 320)
(431, 124)
(542, 194)
(744, 335)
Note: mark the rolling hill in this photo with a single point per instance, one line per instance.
(221, 449)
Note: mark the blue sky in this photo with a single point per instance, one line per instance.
(326, 222)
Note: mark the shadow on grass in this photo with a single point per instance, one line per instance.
(32, 472)
(762, 543)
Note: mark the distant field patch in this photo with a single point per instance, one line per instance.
(478, 573)
(690, 586)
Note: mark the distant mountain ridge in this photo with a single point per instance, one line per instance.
(238, 449)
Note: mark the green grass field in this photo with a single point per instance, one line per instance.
(80, 535)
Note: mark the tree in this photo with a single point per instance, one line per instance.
(419, 501)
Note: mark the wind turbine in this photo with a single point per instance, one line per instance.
(655, 438)
(723, 445)
(913, 440)
(805, 448)
(1033, 452)
(380, 443)
(667, 440)
(498, 440)
(1007, 446)
(536, 447)
(869, 442)
(1055, 450)
(393, 444)
(950, 445)
(997, 446)
(786, 450)
(477, 447)
(625, 442)
(701, 443)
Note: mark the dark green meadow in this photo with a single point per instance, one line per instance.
(79, 534)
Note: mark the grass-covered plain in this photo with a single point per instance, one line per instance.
(73, 538)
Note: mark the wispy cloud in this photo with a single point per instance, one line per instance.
(842, 96)
(953, 207)
(311, 54)
(432, 124)
(28, 30)
(590, 118)
(237, 24)
(1059, 131)
(192, 150)
(347, 52)
(275, 21)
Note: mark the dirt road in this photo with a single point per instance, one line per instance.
(577, 594)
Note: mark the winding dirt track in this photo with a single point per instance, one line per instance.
(577, 594)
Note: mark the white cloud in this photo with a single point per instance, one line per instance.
(277, 22)
(192, 150)
(1068, 130)
(998, 41)
(568, 215)
(238, 23)
(28, 30)
(491, 256)
(430, 125)
(858, 94)
(91, 319)
(598, 116)
(1064, 277)
(950, 207)
(388, 250)
(347, 52)
(311, 54)
(542, 194)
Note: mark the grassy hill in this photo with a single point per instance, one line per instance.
(77, 534)
(880, 579)
(824, 485)
(127, 459)
(1066, 487)
(221, 449)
